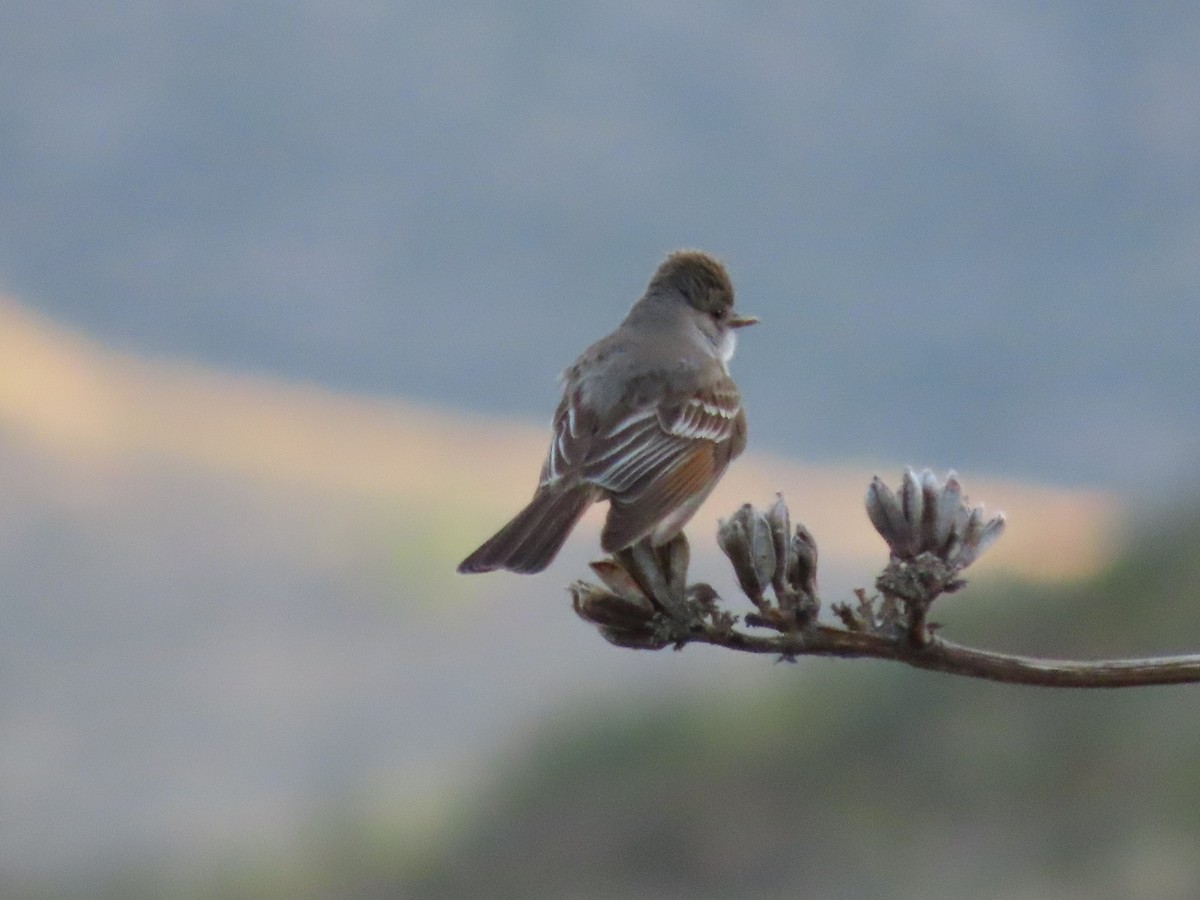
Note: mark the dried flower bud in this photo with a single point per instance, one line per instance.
(912, 502)
(930, 518)
(978, 539)
(930, 492)
(600, 607)
(949, 503)
(618, 580)
(780, 523)
(735, 536)
(887, 516)
(762, 548)
(802, 562)
(622, 621)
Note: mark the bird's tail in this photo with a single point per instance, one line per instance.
(533, 538)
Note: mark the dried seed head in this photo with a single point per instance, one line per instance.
(949, 502)
(742, 537)
(622, 621)
(600, 607)
(928, 517)
(912, 503)
(779, 520)
(620, 582)
(979, 540)
(802, 562)
(762, 548)
(929, 509)
(887, 516)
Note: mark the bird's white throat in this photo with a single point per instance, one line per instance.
(728, 345)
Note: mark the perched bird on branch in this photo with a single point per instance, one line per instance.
(649, 421)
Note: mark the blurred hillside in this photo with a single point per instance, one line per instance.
(852, 780)
(65, 395)
(228, 615)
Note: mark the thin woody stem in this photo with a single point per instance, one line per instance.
(953, 659)
(891, 625)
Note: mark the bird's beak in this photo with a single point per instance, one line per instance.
(742, 321)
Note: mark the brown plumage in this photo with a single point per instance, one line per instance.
(649, 420)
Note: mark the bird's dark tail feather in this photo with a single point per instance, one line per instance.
(533, 538)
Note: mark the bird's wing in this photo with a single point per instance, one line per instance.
(653, 441)
(575, 429)
(659, 457)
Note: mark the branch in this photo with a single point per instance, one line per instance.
(933, 534)
(954, 659)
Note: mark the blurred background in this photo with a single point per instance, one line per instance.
(285, 290)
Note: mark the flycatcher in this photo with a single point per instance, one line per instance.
(649, 421)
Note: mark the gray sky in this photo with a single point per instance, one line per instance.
(972, 229)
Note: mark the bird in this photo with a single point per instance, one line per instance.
(649, 420)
